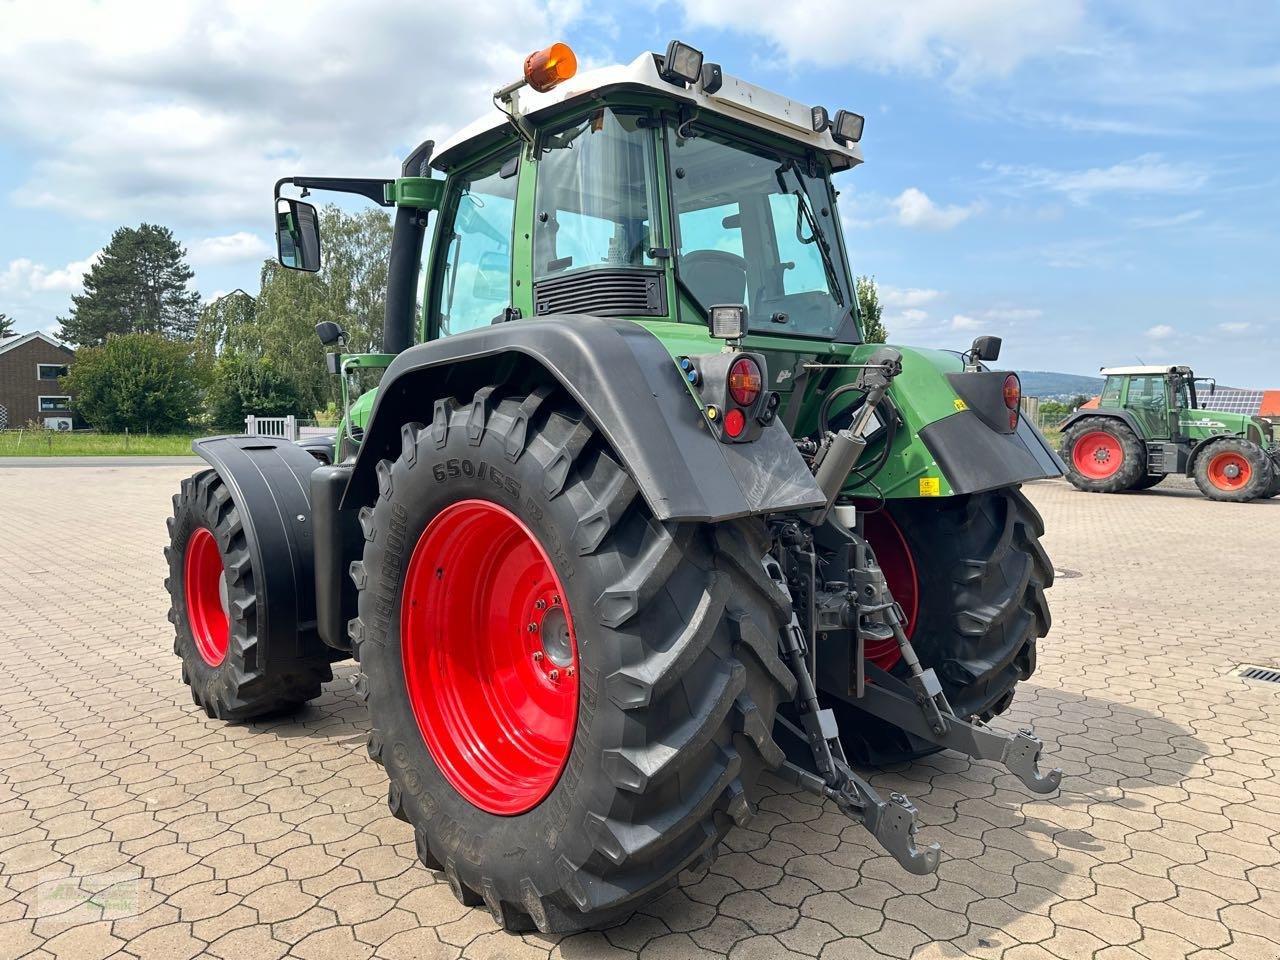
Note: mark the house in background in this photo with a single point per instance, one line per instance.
(30, 366)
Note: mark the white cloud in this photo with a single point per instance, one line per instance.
(188, 112)
(908, 297)
(906, 319)
(1161, 331)
(1235, 327)
(966, 41)
(962, 322)
(915, 209)
(24, 276)
(1149, 173)
(233, 248)
(1174, 220)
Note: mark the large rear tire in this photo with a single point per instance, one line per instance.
(1234, 470)
(635, 760)
(1102, 455)
(976, 575)
(215, 610)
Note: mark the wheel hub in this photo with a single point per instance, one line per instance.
(490, 657)
(205, 589)
(1097, 455)
(1229, 471)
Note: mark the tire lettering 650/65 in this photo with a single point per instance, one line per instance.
(458, 467)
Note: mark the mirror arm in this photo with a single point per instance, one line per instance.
(374, 189)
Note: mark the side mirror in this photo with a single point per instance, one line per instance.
(297, 235)
(329, 332)
(986, 349)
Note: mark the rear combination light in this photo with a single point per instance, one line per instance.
(1013, 398)
(745, 381)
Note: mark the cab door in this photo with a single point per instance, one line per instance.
(1148, 400)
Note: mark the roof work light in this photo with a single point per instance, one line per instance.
(847, 126)
(682, 64)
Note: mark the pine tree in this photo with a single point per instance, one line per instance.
(6, 326)
(139, 285)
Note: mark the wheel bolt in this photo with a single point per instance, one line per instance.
(568, 671)
(537, 656)
(555, 601)
(541, 604)
(554, 674)
(533, 628)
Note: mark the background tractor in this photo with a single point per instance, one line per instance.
(634, 514)
(1149, 424)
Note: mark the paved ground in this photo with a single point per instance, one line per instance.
(131, 824)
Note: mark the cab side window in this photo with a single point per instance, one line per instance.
(474, 284)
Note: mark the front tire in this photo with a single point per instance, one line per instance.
(215, 610)
(973, 575)
(1102, 455)
(1233, 470)
(670, 629)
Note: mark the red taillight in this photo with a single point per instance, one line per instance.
(734, 423)
(1013, 420)
(1012, 391)
(744, 382)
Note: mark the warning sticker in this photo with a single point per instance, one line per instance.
(930, 487)
(960, 404)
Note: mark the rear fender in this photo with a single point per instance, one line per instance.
(268, 479)
(626, 382)
(1114, 413)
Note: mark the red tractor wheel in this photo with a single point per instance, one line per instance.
(1233, 469)
(1103, 455)
(216, 610)
(573, 701)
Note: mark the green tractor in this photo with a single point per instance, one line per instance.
(635, 515)
(1148, 424)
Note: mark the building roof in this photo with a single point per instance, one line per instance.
(735, 99)
(9, 344)
(1142, 371)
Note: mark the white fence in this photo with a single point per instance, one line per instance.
(284, 427)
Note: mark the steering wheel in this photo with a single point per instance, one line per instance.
(715, 276)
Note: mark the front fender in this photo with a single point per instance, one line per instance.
(626, 382)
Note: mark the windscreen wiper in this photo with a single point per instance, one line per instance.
(804, 211)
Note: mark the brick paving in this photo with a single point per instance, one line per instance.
(131, 825)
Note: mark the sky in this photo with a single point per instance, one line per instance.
(1095, 182)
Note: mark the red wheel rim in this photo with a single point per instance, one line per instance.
(206, 593)
(894, 557)
(1230, 471)
(1097, 455)
(490, 656)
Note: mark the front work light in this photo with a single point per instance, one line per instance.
(682, 64)
(847, 126)
(821, 120)
(545, 69)
(728, 321)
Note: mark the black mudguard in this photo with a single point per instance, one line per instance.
(1114, 413)
(975, 458)
(626, 382)
(269, 482)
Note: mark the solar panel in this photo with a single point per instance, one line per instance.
(1231, 400)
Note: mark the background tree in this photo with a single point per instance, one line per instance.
(873, 330)
(141, 382)
(138, 285)
(6, 326)
(244, 385)
(350, 289)
(222, 323)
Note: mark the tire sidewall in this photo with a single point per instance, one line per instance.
(438, 478)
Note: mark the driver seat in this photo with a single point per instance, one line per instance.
(715, 276)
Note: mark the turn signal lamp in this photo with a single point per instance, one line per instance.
(545, 69)
(744, 382)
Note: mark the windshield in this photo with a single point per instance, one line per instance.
(594, 197)
(753, 227)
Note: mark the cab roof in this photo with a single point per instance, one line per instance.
(736, 99)
(1148, 371)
